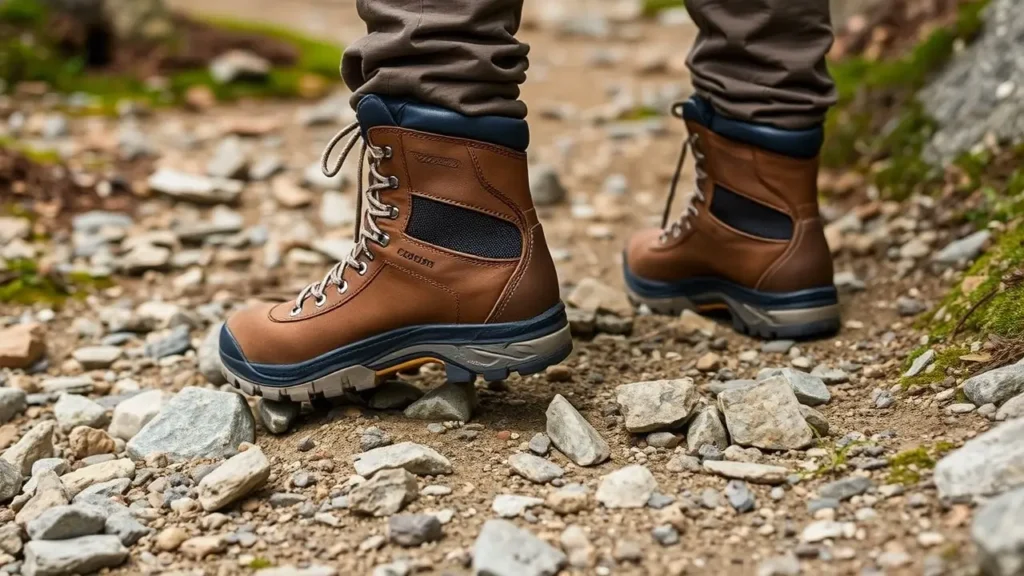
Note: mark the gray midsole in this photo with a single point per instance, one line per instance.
(474, 357)
(751, 315)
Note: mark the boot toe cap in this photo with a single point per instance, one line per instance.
(248, 335)
(640, 258)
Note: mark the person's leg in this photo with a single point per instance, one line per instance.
(763, 61)
(458, 54)
(751, 240)
(450, 263)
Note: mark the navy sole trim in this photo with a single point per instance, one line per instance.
(375, 353)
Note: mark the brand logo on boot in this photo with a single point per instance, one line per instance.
(415, 258)
(436, 160)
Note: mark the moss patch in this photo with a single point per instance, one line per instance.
(22, 282)
(906, 467)
(945, 360)
(653, 7)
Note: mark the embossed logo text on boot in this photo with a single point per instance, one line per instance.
(415, 258)
(436, 160)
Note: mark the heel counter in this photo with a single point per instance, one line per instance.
(534, 288)
(806, 264)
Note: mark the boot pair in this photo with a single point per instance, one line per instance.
(450, 263)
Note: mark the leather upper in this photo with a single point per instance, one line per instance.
(408, 282)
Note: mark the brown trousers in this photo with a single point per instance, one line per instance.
(759, 61)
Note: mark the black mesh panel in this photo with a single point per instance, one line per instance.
(463, 230)
(749, 216)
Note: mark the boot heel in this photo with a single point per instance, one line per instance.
(498, 361)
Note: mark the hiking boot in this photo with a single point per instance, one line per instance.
(450, 265)
(750, 241)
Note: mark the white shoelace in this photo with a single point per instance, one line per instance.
(691, 143)
(367, 229)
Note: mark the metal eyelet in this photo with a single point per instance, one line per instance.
(295, 312)
(343, 288)
(362, 269)
(384, 239)
(394, 212)
(393, 182)
(388, 152)
(321, 301)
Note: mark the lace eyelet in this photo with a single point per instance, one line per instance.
(295, 312)
(384, 239)
(321, 301)
(393, 182)
(343, 288)
(388, 152)
(394, 212)
(362, 269)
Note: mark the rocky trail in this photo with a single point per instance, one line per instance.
(661, 446)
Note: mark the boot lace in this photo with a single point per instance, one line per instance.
(690, 143)
(367, 229)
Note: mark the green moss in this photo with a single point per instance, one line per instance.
(37, 155)
(837, 458)
(259, 563)
(944, 360)
(1000, 309)
(653, 7)
(23, 283)
(315, 56)
(23, 12)
(906, 467)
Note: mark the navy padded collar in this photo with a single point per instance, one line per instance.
(795, 143)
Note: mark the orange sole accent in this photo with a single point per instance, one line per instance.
(712, 307)
(407, 365)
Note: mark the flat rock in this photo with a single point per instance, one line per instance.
(22, 345)
(35, 445)
(64, 522)
(49, 492)
(573, 435)
(75, 482)
(414, 529)
(748, 471)
(921, 362)
(999, 534)
(765, 415)
(68, 385)
(415, 458)
(503, 549)
(535, 468)
(277, 416)
(446, 403)
(513, 506)
(592, 295)
(963, 250)
(82, 555)
(706, 428)
(846, 488)
(629, 487)
(810, 390)
(234, 479)
(131, 415)
(194, 188)
(384, 494)
(97, 357)
(393, 395)
(10, 481)
(196, 423)
(657, 405)
(236, 65)
(72, 410)
(988, 464)
(12, 403)
(995, 386)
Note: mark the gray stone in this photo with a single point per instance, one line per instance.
(739, 496)
(749, 471)
(68, 385)
(448, 402)
(35, 445)
(194, 188)
(545, 185)
(127, 529)
(10, 481)
(706, 429)
(64, 522)
(629, 487)
(209, 356)
(72, 410)
(512, 506)
(373, 437)
(846, 488)
(920, 363)
(810, 390)
(988, 464)
(114, 487)
(415, 458)
(384, 494)
(535, 468)
(277, 416)
(236, 65)
(234, 479)
(666, 535)
(134, 413)
(963, 250)
(228, 160)
(664, 440)
(882, 398)
(502, 549)
(394, 395)
(999, 534)
(573, 435)
(97, 357)
(786, 565)
(1013, 408)
(414, 529)
(906, 306)
(82, 478)
(264, 167)
(82, 555)
(12, 403)
(336, 210)
(765, 415)
(995, 386)
(49, 492)
(816, 420)
(177, 341)
(540, 444)
(196, 423)
(658, 405)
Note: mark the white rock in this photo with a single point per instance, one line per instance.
(512, 506)
(235, 478)
(196, 423)
(76, 556)
(415, 458)
(72, 410)
(988, 464)
(133, 414)
(629, 487)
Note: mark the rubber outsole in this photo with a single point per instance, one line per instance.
(464, 362)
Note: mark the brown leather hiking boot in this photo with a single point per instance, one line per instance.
(450, 265)
(751, 240)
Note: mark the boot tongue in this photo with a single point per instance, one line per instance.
(373, 111)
